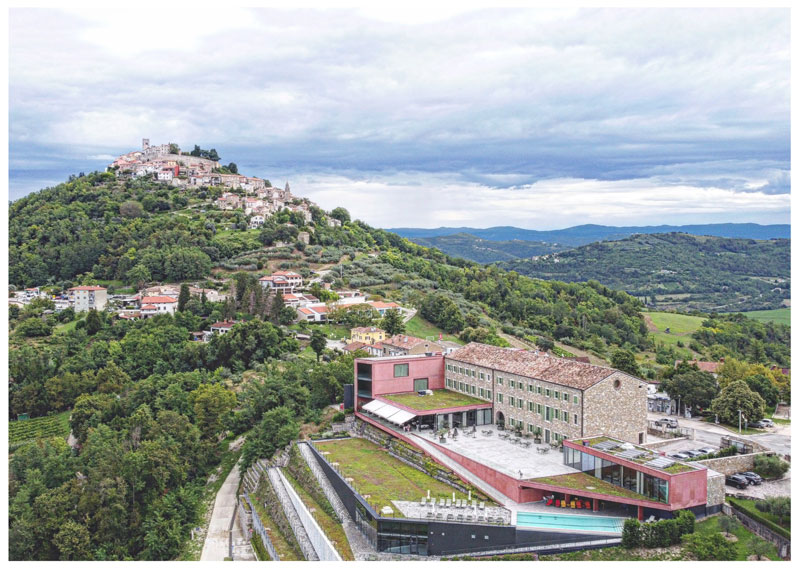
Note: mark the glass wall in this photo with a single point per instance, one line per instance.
(403, 538)
(617, 474)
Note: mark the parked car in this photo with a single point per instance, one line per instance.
(738, 481)
(758, 424)
(694, 453)
(708, 450)
(768, 422)
(668, 422)
(752, 477)
(680, 456)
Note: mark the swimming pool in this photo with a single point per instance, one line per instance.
(589, 523)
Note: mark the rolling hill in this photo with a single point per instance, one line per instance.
(677, 271)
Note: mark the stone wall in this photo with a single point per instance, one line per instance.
(715, 493)
(616, 407)
(732, 464)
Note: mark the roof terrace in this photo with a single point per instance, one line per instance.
(635, 454)
(440, 399)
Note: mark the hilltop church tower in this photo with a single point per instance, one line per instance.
(145, 143)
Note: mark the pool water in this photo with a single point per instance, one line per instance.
(571, 522)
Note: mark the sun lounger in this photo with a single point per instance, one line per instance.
(441, 501)
(448, 502)
(579, 504)
(558, 502)
(469, 518)
(481, 518)
(460, 518)
(489, 519)
(450, 517)
(438, 516)
(430, 514)
(422, 501)
(564, 504)
(572, 504)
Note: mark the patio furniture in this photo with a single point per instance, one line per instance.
(564, 504)
(469, 518)
(448, 502)
(423, 501)
(572, 504)
(450, 517)
(588, 505)
(439, 516)
(526, 444)
(549, 502)
(460, 518)
(481, 518)
(558, 502)
(441, 501)
(430, 514)
(482, 505)
(579, 505)
(489, 519)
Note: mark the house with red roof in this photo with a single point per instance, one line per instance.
(313, 313)
(283, 281)
(154, 305)
(382, 307)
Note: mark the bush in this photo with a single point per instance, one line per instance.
(709, 547)
(685, 520)
(761, 519)
(728, 524)
(631, 533)
(338, 417)
(770, 467)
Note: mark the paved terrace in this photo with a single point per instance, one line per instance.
(504, 455)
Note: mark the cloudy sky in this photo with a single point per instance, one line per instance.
(536, 118)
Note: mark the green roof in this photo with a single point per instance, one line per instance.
(585, 482)
(440, 399)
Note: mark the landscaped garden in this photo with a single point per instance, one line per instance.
(21, 431)
(384, 478)
(440, 398)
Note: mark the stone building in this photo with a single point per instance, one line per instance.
(565, 399)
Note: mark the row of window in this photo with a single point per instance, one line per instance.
(533, 388)
(550, 414)
(468, 389)
(513, 423)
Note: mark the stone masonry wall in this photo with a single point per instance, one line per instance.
(715, 494)
(732, 464)
(620, 412)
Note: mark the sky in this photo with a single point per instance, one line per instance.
(476, 117)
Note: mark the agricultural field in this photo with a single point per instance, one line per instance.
(782, 315)
(22, 431)
(680, 327)
(419, 327)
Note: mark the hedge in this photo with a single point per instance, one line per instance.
(759, 518)
(658, 534)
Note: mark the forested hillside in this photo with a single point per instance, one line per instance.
(470, 247)
(676, 270)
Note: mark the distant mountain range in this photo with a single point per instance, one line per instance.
(585, 234)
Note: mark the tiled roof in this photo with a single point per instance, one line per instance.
(355, 346)
(87, 288)
(227, 324)
(533, 365)
(159, 300)
(365, 329)
(404, 341)
(381, 305)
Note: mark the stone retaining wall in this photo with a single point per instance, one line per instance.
(732, 464)
(295, 523)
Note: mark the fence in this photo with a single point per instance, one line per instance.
(259, 529)
(783, 544)
(550, 548)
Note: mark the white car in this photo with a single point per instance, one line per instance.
(767, 422)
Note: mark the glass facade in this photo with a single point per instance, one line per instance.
(617, 474)
(403, 538)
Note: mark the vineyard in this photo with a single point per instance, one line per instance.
(22, 431)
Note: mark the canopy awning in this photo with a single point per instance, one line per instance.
(373, 406)
(401, 417)
(386, 411)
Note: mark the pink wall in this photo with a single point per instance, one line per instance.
(687, 489)
(384, 381)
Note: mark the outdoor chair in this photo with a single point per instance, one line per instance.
(430, 514)
(572, 504)
(549, 502)
(578, 505)
(450, 516)
(482, 505)
(469, 518)
(422, 501)
(564, 504)
(481, 518)
(439, 516)
(448, 502)
(459, 517)
(588, 504)
(558, 502)
(489, 519)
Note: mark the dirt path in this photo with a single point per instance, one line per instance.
(517, 342)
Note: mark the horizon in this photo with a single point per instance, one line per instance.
(406, 120)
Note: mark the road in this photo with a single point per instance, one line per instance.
(216, 544)
(777, 439)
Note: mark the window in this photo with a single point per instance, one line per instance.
(401, 370)
(461, 370)
(520, 386)
(449, 383)
(481, 393)
(556, 395)
(473, 389)
(557, 413)
(499, 397)
(548, 414)
(519, 402)
(539, 389)
(530, 388)
(575, 399)
(511, 383)
(420, 384)
(473, 372)
(461, 387)
(482, 376)
(499, 380)
(565, 416)
(530, 427)
(449, 367)
(511, 400)
(538, 409)
(576, 419)
(530, 406)
(489, 394)
(547, 393)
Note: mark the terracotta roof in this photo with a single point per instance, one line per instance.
(707, 366)
(365, 329)
(355, 346)
(533, 365)
(287, 273)
(148, 307)
(87, 288)
(404, 341)
(159, 300)
(227, 324)
(381, 305)
(320, 309)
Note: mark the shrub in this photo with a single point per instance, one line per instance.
(709, 547)
(631, 533)
(685, 520)
(338, 417)
(728, 524)
(770, 467)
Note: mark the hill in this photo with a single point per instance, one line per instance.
(677, 271)
(464, 245)
(585, 234)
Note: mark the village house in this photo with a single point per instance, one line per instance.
(399, 345)
(282, 281)
(223, 327)
(211, 294)
(85, 298)
(313, 314)
(154, 305)
(367, 335)
(383, 307)
(256, 221)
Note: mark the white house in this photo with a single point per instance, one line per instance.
(86, 298)
(284, 281)
(154, 305)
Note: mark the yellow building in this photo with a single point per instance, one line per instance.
(367, 335)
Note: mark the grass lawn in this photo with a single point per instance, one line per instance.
(680, 327)
(333, 528)
(743, 545)
(750, 506)
(735, 429)
(781, 315)
(382, 477)
(248, 240)
(781, 420)
(441, 398)
(56, 425)
(584, 482)
(65, 327)
(421, 328)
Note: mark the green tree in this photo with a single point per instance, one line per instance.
(34, 327)
(73, 542)
(696, 388)
(728, 524)
(318, 342)
(211, 404)
(341, 214)
(392, 322)
(712, 546)
(626, 362)
(738, 397)
(139, 276)
(763, 386)
(183, 297)
(770, 467)
(761, 548)
(131, 209)
(94, 322)
(275, 430)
